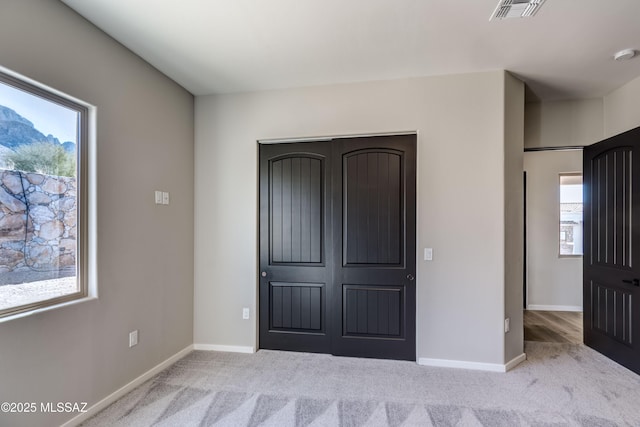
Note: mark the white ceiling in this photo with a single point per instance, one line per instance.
(221, 46)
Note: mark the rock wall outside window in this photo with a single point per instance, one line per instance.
(37, 222)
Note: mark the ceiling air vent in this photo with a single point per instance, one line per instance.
(516, 9)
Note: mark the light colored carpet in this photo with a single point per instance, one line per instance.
(559, 384)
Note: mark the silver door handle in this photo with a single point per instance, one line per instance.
(410, 277)
(263, 274)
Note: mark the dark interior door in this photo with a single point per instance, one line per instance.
(374, 239)
(295, 235)
(337, 247)
(611, 288)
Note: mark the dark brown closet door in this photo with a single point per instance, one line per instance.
(374, 247)
(295, 269)
(337, 247)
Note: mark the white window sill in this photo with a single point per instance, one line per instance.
(47, 308)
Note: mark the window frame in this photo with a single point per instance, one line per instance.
(85, 199)
(560, 176)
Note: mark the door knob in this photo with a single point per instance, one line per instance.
(634, 282)
(410, 277)
(263, 274)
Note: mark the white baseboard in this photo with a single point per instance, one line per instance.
(540, 307)
(227, 348)
(476, 366)
(515, 362)
(94, 409)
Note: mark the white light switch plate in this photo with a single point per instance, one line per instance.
(428, 254)
(158, 195)
(133, 338)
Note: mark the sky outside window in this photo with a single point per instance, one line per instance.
(46, 116)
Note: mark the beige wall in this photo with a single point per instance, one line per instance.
(622, 109)
(563, 123)
(582, 122)
(514, 214)
(553, 283)
(80, 353)
(461, 200)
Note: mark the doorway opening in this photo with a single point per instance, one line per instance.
(553, 296)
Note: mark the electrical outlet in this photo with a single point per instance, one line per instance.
(133, 338)
(245, 313)
(165, 198)
(507, 325)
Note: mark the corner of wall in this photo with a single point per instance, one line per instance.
(514, 110)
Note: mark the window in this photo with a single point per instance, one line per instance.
(43, 197)
(571, 222)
